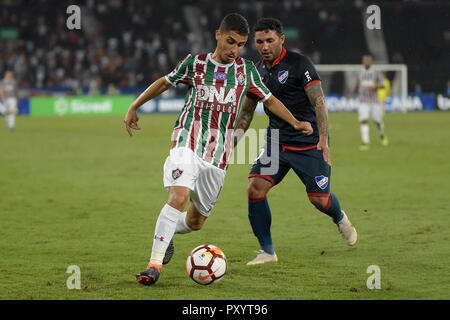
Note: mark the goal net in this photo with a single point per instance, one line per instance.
(338, 80)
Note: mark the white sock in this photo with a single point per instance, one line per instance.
(381, 129)
(157, 257)
(365, 133)
(182, 226)
(10, 120)
(164, 230)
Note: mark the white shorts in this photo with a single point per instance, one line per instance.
(370, 110)
(10, 105)
(184, 168)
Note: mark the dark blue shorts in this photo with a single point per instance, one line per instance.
(307, 163)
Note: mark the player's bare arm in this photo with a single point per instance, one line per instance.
(278, 109)
(154, 90)
(244, 119)
(317, 99)
(2, 95)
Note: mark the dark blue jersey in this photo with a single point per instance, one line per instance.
(287, 79)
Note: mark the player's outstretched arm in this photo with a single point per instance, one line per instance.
(154, 90)
(244, 119)
(317, 99)
(278, 109)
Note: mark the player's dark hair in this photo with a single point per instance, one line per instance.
(235, 22)
(265, 24)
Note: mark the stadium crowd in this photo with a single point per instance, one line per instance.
(127, 44)
(124, 44)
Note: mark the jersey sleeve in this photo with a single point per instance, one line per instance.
(257, 89)
(307, 72)
(181, 72)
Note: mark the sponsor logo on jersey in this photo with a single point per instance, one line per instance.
(220, 75)
(308, 77)
(240, 76)
(198, 75)
(368, 83)
(216, 107)
(176, 173)
(209, 93)
(282, 76)
(322, 182)
(216, 99)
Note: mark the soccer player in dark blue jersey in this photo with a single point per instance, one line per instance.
(293, 79)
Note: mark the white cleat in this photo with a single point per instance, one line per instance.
(347, 230)
(263, 257)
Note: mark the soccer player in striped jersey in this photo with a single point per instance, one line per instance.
(293, 79)
(369, 80)
(8, 96)
(202, 139)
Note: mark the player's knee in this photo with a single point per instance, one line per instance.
(320, 203)
(255, 192)
(178, 200)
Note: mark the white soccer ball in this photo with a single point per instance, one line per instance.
(206, 264)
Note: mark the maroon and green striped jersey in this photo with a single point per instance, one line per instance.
(212, 104)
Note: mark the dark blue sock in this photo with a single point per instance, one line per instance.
(260, 220)
(333, 209)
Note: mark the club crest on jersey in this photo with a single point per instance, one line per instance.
(220, 76)
(322, 182)
(282, 76)
(176, 173)
(240, 78)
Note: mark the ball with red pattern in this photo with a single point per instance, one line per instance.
(206, 264)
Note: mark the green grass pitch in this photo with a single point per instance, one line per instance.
(80, 191)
